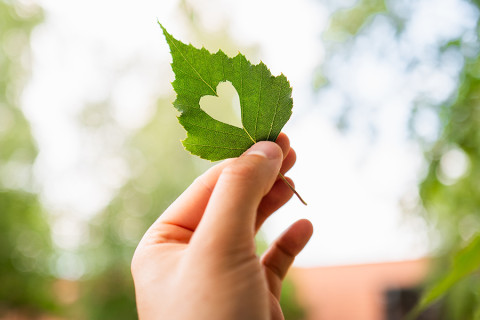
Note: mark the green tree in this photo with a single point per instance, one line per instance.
(25, 246)
(449, 192)
(455, 201)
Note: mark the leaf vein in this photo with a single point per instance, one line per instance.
(259, 100)
(193, 68)
(211, 146)
(214, 130)
(241, 99)
(275, 113)
(189, 75)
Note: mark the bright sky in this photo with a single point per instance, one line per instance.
(353, 185)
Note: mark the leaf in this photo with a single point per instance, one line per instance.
(265, 100)
(465, 262)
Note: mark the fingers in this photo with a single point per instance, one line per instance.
(275, 199)
(188, 209)
(289, 161)
(183, 215)
(284, 143)
(279, 195)
(231, 211)
(279, 257)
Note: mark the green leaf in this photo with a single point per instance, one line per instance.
(265, 100)
(465, 262)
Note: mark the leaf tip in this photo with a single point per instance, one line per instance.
(161, 25)
(165, 32)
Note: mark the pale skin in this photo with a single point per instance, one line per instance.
(198, 260)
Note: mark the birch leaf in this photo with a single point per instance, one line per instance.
(265, 100)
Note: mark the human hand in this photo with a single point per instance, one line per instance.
(198, 261)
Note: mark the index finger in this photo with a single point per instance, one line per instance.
(187, 210)
(231, 213)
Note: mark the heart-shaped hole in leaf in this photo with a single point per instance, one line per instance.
(225, 107)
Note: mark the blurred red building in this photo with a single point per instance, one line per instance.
(357, 292)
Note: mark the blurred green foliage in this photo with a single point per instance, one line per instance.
(452, 204)
(347, 22)
(26, 285)
(25, 251)
(15, 27)
(455, 205)
(292, 308)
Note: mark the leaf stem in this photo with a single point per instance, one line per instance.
(291, 188)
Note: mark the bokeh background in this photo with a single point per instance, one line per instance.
(385, 125)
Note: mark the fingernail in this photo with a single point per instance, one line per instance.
(265, 149)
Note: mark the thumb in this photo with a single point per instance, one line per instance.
(231, 211)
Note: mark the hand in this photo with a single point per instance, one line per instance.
(198, 261)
